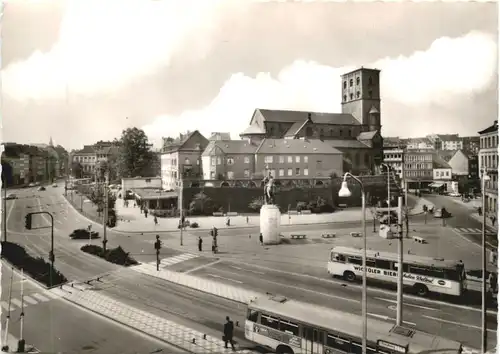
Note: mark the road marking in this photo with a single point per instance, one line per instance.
(30, 300)
(16, 302)
(51, 293)
(248, 270)
(457, 323)
(406, 304)
(5, 306)
(40, 297)
(218, 276)
(203, 266)
(387, 318)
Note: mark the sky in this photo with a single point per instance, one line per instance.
(84, 70)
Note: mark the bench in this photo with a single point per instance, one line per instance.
(298, 236)
(329, 235)
(355, 234)
(419, 239)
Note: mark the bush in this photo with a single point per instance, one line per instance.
(256, 204)
(114, 255)
(301, 206)
(37, 268)
(194, 225)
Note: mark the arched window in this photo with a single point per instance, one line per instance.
(357, 81)
(370, 81)
(345, 98)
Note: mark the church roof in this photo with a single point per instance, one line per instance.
(253, 129)
(296, 146)
(347, 144)
(367, 135)
(301, 116)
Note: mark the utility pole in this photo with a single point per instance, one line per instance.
(105, 213)
(5, 347)
(21, 343)
(5, 209)
(399, 318)
(484, 329)
(181, 208)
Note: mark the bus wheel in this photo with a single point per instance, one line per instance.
(349, 276)
(421, 289)
(283, 349)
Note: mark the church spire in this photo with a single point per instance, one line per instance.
(50, 142)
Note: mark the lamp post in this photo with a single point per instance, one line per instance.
(345, 192)
(388, 191)
(484, 332)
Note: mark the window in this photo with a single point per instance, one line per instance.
(355, 260)
(357, 80)
(290, 172)
(282, 159)
(338, 258)
(370, 81)
(370, 94)
(281, 172)
(447, 173)
(345, 98)
(247, 173)
(186, 161)
(269, 321)
(357, 94)
(289, 327)
(268, 159)
(297, 159)
(219, 160)
(230, 161)
(212, 175)
(252, 315)
(336, 342)
(341, 132)
(213, 161)
(289, 159)
(306, 172)
(370, 262)
(306, 159)
(351, 96)
(350, 83)
(345, 84)
(297, 172)
(230, 175)
(272, 173)
(381, 263)
(247, 159)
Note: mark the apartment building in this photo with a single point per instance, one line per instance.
(229, 159)
(446, 141)
(488, 163)
(181, 159)
(86, 158)
(418, 168)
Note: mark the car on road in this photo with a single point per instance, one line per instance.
(442, 213)
(31, 185)
(454, 194)
(83, 234)
(54, 185)
(11, 196)
(41, 188)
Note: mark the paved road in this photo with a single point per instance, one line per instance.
(53, 325)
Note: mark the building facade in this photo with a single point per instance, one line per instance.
(229, 159)
(446, 141)
(418, 168)
(488, 163)
(84, 160)
(181, 158)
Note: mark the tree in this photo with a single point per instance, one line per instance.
(256, 203)
(201, 204)
(77, 169)
(135, 158)
(102, 167)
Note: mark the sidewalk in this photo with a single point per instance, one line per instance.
(473, 205)
(13, 342)
(176, 334)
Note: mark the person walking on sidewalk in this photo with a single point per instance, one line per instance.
(214, 245)
(261, 239)
(200, 243)
(155, 220)
(493, 220)
(228, 333)
(247, 219)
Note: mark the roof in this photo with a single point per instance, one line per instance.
(178, 142)
(449, 137)
(491, 129)
(220, 136)
(153, 193)
(295, 128)
(367, 135)
(231, 147)
(393, 141)
(301, 116)
(296, 146)
(439, 162)
(87, 149)
(253, 129)
(347, 143)
(446, 154)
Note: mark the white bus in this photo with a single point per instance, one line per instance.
(424, 274)
(293, 327)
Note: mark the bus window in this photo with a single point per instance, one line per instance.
(269, 321)
(370, 262)
(381, 263)
(357, 348)
(338, 258)
(406, 267)
(307, 333)
(436, 273)
(289, 327)
(338, 343)
(252, 315)
(370, 350)
(355, 260)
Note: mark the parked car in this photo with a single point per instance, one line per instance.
(31, 185)
(11, 196)
(442, 213)
(54, 185)
(83, 234)
(453, 194)
(41, 188)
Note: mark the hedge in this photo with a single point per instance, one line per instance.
(114, 255)
(36, 267)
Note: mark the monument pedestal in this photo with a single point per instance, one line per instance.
(270, 222)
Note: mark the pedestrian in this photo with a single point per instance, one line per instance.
(247, 219)
(146, 213)
(493, 220)
(228, 222)
(214, 245)
(228, 333)
(261, 239)
(156, 220)
(200, 243)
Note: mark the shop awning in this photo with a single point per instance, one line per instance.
(436, 185)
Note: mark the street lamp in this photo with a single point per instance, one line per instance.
(484, 332)
(345, 192)
(388, 191)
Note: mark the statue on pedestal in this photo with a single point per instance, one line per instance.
(269, 190)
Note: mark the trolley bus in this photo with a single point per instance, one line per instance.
(293, 327)
(424, 274)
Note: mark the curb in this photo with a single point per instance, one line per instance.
(26, 275)
(124, 324)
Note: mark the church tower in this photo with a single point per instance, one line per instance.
(361, 97)
(50, 142)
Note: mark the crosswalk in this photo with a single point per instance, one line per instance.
(167, 262)
(30, 299)
(471, 230)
